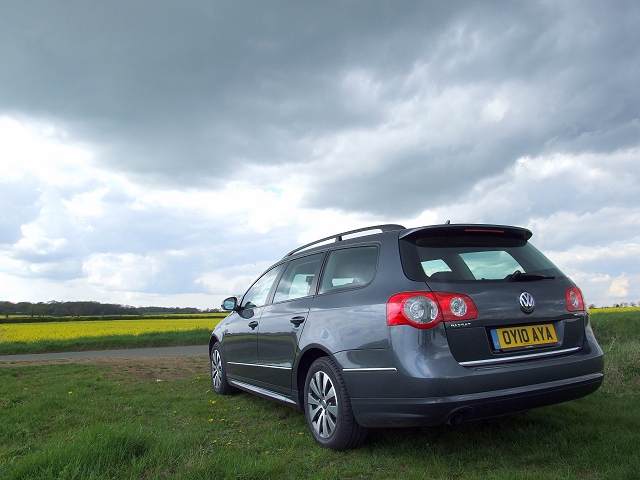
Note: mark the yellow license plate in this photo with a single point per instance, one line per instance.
(523, 336)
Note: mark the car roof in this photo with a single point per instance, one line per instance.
(339, 237)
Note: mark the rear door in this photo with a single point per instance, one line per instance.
(282, 322)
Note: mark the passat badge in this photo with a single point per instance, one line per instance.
(527, 303)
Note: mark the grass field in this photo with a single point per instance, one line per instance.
(112, 418)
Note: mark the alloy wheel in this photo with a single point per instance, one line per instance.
(322, 403)
(216, 369)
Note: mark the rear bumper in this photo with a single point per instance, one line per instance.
(407, 412)
(425, 385)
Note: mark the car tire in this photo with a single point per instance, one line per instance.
(328, 408)
(219, 373)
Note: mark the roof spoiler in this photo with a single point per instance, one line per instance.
(468, 229)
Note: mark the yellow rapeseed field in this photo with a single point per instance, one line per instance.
(615, 309)
(34, 332)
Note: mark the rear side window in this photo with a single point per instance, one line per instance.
(471, 258)
(349, 267)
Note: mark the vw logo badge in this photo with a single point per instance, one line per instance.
(527, 303)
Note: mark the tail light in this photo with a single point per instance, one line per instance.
(574, 300)
(428, 309)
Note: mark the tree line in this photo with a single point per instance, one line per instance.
(81, 309)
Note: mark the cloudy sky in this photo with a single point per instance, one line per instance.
(166, 153)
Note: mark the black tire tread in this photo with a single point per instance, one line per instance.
(351, 433)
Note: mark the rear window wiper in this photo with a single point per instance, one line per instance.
(518, 276)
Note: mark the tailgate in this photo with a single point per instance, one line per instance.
(504, 331)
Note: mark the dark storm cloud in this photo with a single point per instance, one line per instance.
(193, 92)
(568, 73)
(187, 87)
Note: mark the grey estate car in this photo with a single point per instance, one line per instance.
(390, 327)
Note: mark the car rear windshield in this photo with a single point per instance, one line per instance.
(472, 258)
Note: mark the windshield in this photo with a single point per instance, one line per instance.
(477, 258)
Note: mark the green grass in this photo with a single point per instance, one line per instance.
(618, 332)
(120, 422)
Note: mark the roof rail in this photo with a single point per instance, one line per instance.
(388, 227)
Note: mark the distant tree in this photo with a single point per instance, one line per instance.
(6, 308)
(593, 305)
(55, 308)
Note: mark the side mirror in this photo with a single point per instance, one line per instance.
(229, 304)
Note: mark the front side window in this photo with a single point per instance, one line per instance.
(298, 278)
(349, 267)
(257, 295)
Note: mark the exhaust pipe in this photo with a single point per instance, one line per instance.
(459, 415)
(455, 419)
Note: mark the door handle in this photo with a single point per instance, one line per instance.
(297, 321)
(253, 325)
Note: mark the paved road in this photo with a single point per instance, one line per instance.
(133, 352)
